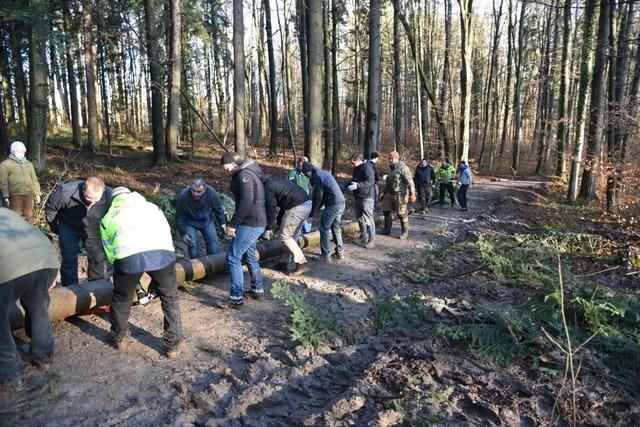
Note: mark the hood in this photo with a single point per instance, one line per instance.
(252, 166)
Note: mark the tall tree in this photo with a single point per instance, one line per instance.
(517, 111)
(155, 73)
(273, 96)
(38, 85)
(373, 92)
(506, 117)
(466, 74)
(563, 101)
(93, 143)
(315, 62)
(595, 130)
(446, 70)
(239, 95)
(397, 95)
(175, 79)
(71, 75)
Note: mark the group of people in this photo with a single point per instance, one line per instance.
(106, 221)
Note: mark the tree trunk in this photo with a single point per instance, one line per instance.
(222, 98)
(71, 76)
(239, 101)
(155, 72)
(506, 118)
(595, 130)
(585, 74)
(373, 92)
(38, 102)
(328, 99)
(273, 96)
(105, 102)
(563, 102)
(15, 33)
(175, 79)
(397, 95)
(93, 142)
(4, 139)
(337, 145)
(315, 62)
(302, 20)
(466, 74)
(515, 155)
(7, 87)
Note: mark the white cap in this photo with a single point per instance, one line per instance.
(119, 190)
(18, 146)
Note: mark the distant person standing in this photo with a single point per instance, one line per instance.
(399, 190)
(445, 174)
(28, 269)
(137, 239)
(245, 227)
(465, 178)
(18, 182)
(374, 158)
(73, 212)
(327, 194)
(302, 181)
(362, 185)
(424, 178)
(194, 212)
(294, 206)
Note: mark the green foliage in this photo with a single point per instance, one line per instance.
(38, 397)
(309, 326)
(395, 311)
(422, 408)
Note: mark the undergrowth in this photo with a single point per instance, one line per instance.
(309, 326)
(389, 312)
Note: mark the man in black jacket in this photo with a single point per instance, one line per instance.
(362, 185)
(424, 178)
(246, 226)
(73, 212)
(294, 207)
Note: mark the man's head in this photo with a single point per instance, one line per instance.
(445, 162)
(374, 157)
(462, 163)
(356, 159)
(93, 189)
(307, 169)
(301, 161)
(394, 157)
(424, 163)
(198, 186)
(231, 160)
(119, 191)
(18, 150)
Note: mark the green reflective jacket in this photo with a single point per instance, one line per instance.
(445, 175)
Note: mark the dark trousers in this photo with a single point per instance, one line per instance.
(164, 280)
(69, 240)
(462, 195)
(33, 292)
(449, 188)
(424, 195)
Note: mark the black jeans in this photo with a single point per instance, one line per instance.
(424, 195)
(164, 280)
(33, 292)
(449, 187)
(69, 240)
(462, 195)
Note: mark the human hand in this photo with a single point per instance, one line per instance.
(6, 202)
(37, 198)
(412, 198)
(187, 239)
(224, 228)
(353, 186)
(231, 232)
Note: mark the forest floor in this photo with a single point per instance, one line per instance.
(454, 326)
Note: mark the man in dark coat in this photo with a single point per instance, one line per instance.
(424, 179)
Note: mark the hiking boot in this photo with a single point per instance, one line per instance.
(405, 230)
(119, 343)
(25, 354)
(174, 352)
(387, 224)
(230, 304)
(339, 255)
(326, 258)
(12, 385)
(299, 269)
(370, 245)
(258, 296)
(362, 239)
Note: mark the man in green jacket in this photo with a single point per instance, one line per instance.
(28, 268)
(445, 174)
(18, 182)
(137, 239)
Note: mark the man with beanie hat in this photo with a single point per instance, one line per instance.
(73, 212)
(194, 212)
(136, 246)
(18, 182)
(326, 192)
(398, 190)
(29, 266)
(245, 227)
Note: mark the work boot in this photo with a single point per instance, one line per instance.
(258, 296)
(27, 356)
(405, 229)
(229, 303)
(299, 269)
(388, 221)
(174, 352)
(370, 245)
(120, 343)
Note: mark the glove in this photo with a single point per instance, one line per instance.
(37, 198)
(412, 198)
(353, 186)
(267, 235)
(187, 239)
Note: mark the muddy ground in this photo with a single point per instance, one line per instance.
(242, 367)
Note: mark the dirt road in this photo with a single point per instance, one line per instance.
(241, 367)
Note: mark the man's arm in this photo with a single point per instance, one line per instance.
(4, 180)
(270, 205)
(246, 200)
(317, 197)
(55, 202)
(218, 208)
(181, 215)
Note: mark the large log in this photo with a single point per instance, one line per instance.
(77, 299)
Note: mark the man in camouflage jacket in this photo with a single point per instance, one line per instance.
(399, 189)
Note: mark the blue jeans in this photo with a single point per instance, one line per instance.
(330, 220)
(209, 233)
(243, 248)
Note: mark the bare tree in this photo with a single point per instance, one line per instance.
(175, 79)
(466, 74)
(239, 95)
(315, 63)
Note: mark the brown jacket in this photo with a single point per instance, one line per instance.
(18, 179)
